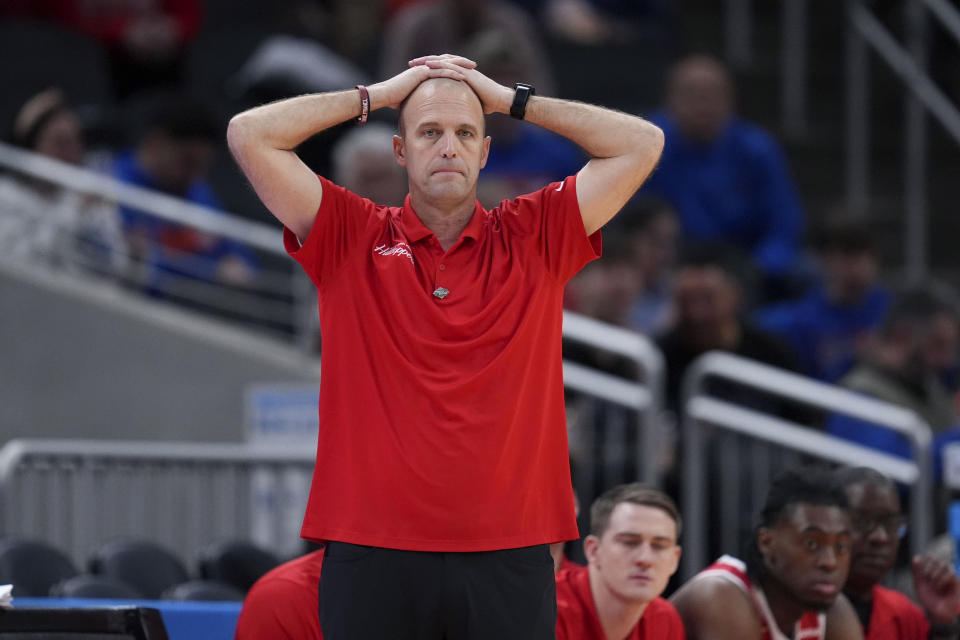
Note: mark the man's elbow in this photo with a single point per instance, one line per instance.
(654, 139)
(239, 134)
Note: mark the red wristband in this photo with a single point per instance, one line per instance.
(364, 104)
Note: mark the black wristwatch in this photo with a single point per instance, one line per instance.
(521, 94)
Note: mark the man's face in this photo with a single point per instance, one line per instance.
(808, 553)
(177, 164)
(700, 99)
(877, 521)
(848, 275)
(636, 555)
(939, 345)
(706, 301)
(60, 139)
(443, 147)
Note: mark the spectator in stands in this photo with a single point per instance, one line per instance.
(282, 604)
(726, 177)
(145, 39)
(708, 315)
(42, 223)
(790, 585)
(606, 288)
(455, 26)
(878, 527)
(652, 229)
(833, 324)
(522, 156)
(631, 553)
(914, 357)
(363, 162)
(173, 155)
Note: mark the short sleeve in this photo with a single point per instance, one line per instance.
(336, 231)
(562, 241)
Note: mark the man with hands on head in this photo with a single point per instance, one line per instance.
(878, 526)
(442, 469)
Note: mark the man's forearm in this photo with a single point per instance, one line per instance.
(287, 123)
(601, 132)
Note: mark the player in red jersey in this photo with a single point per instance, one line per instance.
(878, 526)
(790, 587)
(282, 604)
(631, 553)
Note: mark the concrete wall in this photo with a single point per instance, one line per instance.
(79, 359)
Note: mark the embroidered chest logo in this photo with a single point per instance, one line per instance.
(399, 249)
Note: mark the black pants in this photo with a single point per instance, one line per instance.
(370, 593)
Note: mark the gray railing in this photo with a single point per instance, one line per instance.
(708, 420)
(922, 96)
(645, 395)
(76, 494)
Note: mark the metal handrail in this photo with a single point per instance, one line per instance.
(255, 234)
(885, 45)
(701, 409)
(646, 396)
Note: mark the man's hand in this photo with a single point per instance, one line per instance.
(392, 92)
(938, 589)
(494, 97)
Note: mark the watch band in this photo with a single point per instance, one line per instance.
(522, 93)
(364, 104)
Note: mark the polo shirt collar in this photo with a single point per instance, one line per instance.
(414, 229)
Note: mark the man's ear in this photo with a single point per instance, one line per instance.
(765, 542)
(399, 153)
(591, 545)
(486, 152)
(676, 559)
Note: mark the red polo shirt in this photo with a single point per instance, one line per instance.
(895, 617)
(577, 617)
(442, 422)
(282, 604)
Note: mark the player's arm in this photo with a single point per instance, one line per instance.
(842, 621)
(623, 148)
(713, 609)
(264, 139)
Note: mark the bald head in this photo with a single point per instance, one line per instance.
(436, 91)
(700, 97)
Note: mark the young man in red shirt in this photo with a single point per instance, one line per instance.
(442, 468)
(878, 526)
(789, 588)
(631, 553)
(282, 604)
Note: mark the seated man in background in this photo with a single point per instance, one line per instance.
(631, 553)
(708, 303)
(42, 223)
(790, 585)
(282, 604)
(363, 162)
(174, 155)
(726, 177)
(834, 323)
(911, 363)
(878, 526)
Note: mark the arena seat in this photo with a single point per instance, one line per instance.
(32, 567)
(207, 590)
(91, 586)
(144, 565)
(236, 562)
